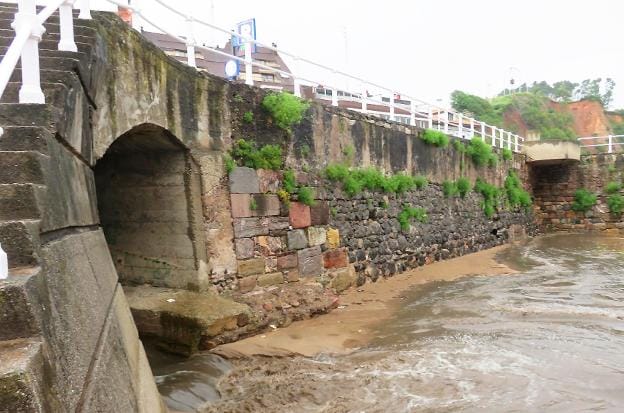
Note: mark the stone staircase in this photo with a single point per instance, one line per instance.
(28, 131)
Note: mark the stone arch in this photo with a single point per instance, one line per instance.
(149, 202)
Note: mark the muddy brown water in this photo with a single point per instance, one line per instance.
(547, 339)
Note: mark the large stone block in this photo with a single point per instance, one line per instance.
(270, 181)
(336, 258)
(268, 245)
(241, 205)
(333, 238)
(278, 225)
(343, 279)
(287, 261)
(319, 213)
(310, 261)
(265, 205)
(252, 266)
(316, 236)
(297, 239)
(299, 215)
(273, 278)
(244, 248)
(250, 227)
(244, 181)
(247, 284)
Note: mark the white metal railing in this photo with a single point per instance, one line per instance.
(29, 29)
(612, 143)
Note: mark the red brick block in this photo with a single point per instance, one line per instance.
(319, 213)
(337, 258)
(299, 215)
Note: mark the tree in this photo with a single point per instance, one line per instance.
(563, 91)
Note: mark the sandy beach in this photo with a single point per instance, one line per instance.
(349, 327)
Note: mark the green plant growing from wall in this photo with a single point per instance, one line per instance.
(615, 203)
(284, 196)
(449, 189)
(516, 195)
(481, 153)
(584, 200)
(435, 138)
(357, 179)
(253, 205)
(305, 195)
(408, 214)
(229, 163)
(285, 108)
(490, 194)
(459, 146)
(383, 204)
(248, 117)
(267, 157)
(289, 182)
(611, 168)
(463, 186)
(507, 154)
(613, 187)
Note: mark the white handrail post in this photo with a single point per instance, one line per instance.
(501, 140)
(472, 128)
(296, 87)
(483, 131)
(509, 140)
(440, 119)
(392, 117)
(364, 99)
(85, 10)
(334, 78)
(248, 63)
(190, 44)
(460, 128)
(430, 118)
(493, 142)
(516, 143)
(26, 19)
(446, 122)
(610, 143)
(4, 265)
(412, 112)
(66, 20)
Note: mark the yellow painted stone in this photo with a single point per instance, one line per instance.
(333, 238)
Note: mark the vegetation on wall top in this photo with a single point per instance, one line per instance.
(354, 180)
(480, 152)
(245, 153)
(516, 195)
(435, 137)
(285, 108)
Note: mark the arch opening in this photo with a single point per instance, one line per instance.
(147, 190)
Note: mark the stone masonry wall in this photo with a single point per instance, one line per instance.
(342, 241)
(554, 187)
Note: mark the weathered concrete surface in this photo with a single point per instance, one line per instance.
(184, 320)
(21, 376)
(551, 151)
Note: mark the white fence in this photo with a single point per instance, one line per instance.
(29, 29)
(608, 144)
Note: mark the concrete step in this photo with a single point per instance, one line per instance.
(20, 201)
(17, 317)
(52, 36)
(25, 114)
(82, 34)
(53, 92)
(49, 43)
(21, 369)
(26, 138)
(53, 26)
(20, 240)
(66, 77)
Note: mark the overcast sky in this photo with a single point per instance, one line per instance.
(430, 48)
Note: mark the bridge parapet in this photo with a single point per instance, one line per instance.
(552, 151)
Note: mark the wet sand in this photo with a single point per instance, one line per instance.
(350, 326)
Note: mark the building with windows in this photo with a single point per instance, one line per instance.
(214, 63)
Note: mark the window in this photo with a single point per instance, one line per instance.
(268, 78)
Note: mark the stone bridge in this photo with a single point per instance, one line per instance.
(120, 177)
